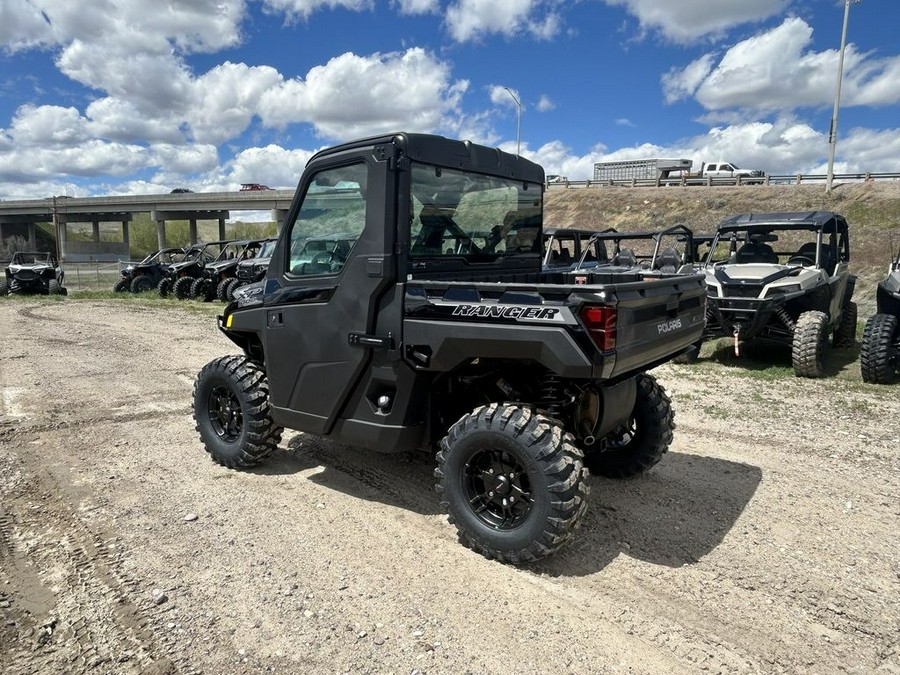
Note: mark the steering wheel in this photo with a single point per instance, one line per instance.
(801, 260)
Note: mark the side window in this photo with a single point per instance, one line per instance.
(332, 216)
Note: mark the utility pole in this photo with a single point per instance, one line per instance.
(56, 230)
(518, 117)
(832, 135)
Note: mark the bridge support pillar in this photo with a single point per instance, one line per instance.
(278, 217)
(192, 231)
(161, 233)
(221, 228)
(32, 237)
(126, 238)
(95, 231)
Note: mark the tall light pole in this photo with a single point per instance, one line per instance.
(518, 116)
(832, 135)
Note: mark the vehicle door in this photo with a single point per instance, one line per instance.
(333, 264)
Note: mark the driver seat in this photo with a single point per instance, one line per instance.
(808, 250)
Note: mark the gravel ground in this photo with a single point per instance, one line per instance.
(765, 541)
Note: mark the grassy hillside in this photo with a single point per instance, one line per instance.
(872, 209)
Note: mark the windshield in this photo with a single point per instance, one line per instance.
(266, 250)
(472, 216)
(21, 258)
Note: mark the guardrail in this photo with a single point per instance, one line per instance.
(786, 179)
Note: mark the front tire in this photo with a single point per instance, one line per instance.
(809, 343)
(222, 289)
(232, 287)
(53, 288)
(640, 444)
(181, 289)
(845, 334)
(878, 354)
(122, 286)
(231, 412)
(512, 481)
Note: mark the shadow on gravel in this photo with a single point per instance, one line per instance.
(404, 480)
(673, 516)
(775, 357)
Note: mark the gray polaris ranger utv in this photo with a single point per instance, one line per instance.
(388, 320)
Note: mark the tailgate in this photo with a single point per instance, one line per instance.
(656, 321)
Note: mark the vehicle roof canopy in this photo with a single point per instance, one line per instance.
(828, 221)
(441, 151)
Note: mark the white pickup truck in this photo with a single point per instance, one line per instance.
(728, 170)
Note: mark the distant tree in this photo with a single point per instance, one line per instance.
(11, 245)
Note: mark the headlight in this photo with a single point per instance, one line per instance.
(783, 290)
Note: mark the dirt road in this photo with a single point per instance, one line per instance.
(765, 541)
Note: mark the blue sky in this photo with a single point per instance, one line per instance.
(126, 96)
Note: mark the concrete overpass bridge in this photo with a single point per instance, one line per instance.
(21, 216)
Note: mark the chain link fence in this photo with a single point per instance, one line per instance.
(96, 276)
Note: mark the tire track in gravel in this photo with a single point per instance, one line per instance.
(125, 633)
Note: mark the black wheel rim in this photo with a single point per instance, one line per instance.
(623, 436)
(497, 489)
(225, 414)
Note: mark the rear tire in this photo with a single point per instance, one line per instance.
(181, 289)
(202, 289)
(808, 347)
(637, 447)
(141, 284)
(512, 481)
(122, 286)
(231, 412)
(164, 287)
(845, 334)
(878, 354)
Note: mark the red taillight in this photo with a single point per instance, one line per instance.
(600, 322)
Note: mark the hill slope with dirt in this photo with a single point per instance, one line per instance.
(872, 209)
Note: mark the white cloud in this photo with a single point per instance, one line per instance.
(473, 19)
(544, 104)
(302, 9)
(680, 83)
(90, 158)
(413, 7)
(685, 20)
(224, 100)
(22, 26)
(355, 95)
(624, 122)
(182, 159)
(776, 70)
(272, 165)
(119, 120)
(48, 125)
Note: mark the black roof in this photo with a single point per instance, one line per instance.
(443, 151)
(828, 221)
